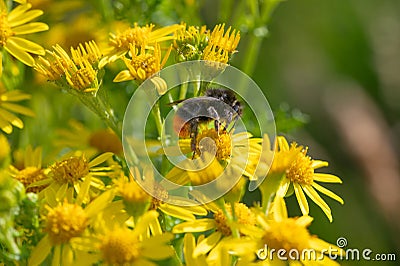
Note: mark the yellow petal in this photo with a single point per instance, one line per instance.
(18, 109)
(301, 198)
(141, 74)
(327, 192)
(158, 244)
(124, 75)
(99, 203)
(11, 118)
(207, 244)
(5, 125)
(14, 96)
(279, 209)
(56, 255)
(177, 211)
(315, 164)
(18, 11)
(304, 220)
(318, 200)
(50, 194)
(160, 34)
(30, 28)
(40, 252)
(194, 226)
(24, 18)
(328, 178)
(321, 245)
(155, 227)
(239, 247)
(27, 45)
(188, 205)
(282, 143)
(83, 193)
(177, 176)
(189, 243)
(157, 252)
(251, 231)
(60, 194)
(283, 188)
(101, 159)
(19, 53)
(43, 182)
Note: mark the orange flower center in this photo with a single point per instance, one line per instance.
(120, 247)
(145, 65)
(65, 222)
(287, 235)
(106, 141)
(221, 140)
(70, 170)
(31, 175)
(301, 171)
(243, 214)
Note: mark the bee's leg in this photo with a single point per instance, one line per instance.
(193, 135)
(216, 126)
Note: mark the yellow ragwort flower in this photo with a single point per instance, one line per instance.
(137, 200)
(18, 22)
(190, 42)
(54, 65)
(79, 69)
(290, 235)
(65, 224)
(79, 173)
(32, 170)
(119, 245)
(8, 106)
(143, 64)
(238, 152)
(137, 36)
(299, 171)
(211, 245)
(89, 52)
(91, 142)
(82, 76)
(222, 141)
(227, 41)
(221, 45)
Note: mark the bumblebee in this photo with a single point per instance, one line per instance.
(218, 105)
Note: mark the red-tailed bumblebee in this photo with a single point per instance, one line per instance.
(218, 105)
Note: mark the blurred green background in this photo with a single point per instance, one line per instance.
(330, 65)
(338, 62)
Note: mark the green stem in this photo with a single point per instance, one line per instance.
(268, 189)
(197, 88)
(157, 118)
(183, 91)
(102, 108)
(254, 44)
(253, 49)
(229, 217)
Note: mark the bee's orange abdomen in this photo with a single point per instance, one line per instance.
(181, 127)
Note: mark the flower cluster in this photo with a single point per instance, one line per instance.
(77, 200)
